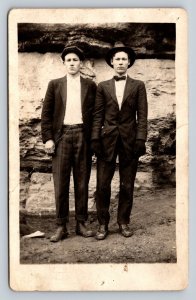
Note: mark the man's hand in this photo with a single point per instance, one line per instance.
(50, 147)
(96, 147)
(139, 148)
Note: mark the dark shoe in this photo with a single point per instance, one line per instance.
(124, 230)
(102, 232)
(60, 234)
(82, 230)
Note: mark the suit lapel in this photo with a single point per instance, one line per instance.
(84, 89)
(63, 90)
(112, 90)
(129, 86)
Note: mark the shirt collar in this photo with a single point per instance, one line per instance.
(76, 78)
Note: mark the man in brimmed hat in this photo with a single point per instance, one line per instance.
(119, 128)
(66, 128)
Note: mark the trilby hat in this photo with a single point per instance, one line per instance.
(72, 49)
(118, 47)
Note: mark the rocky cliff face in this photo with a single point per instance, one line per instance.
(148, 40)
(39, 62)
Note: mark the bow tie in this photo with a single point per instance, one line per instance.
(117, 78)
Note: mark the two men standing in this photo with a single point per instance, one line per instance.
(114, 123)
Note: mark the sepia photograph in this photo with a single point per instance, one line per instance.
(98, 149)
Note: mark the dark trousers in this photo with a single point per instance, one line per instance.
(105, 173)
(72, 153)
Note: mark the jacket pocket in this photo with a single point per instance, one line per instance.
(105, 131)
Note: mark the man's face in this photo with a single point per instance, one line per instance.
(120, 62)
(72, 63)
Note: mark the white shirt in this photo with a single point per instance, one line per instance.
(73, 111)
(120, 87)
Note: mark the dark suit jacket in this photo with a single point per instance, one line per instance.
(130, 122)
(54, 107)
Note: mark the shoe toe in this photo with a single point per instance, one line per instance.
(89, 233)
(100, 236)
(82, 230)
(101, 233)
(60, 235)
(125, 231)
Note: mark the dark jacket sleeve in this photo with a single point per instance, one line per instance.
(88, 109)
(47, 114)
(142, 112)
(93, 89)
(98, 113)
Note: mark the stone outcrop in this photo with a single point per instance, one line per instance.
(162, 141)
(40, 194)
(149, 40)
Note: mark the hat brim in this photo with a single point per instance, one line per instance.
(131, 53)
(75, 50)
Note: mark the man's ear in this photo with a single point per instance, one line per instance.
(111, 61)
(81, 64)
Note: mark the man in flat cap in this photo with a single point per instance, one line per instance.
(119, 128)
(66, 129)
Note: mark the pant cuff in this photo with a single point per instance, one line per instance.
(62, 221)
(122, 222)
(81, 218)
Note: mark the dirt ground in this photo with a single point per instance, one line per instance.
(154, 239)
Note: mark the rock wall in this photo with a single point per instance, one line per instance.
(37, 191)
(154, 40)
